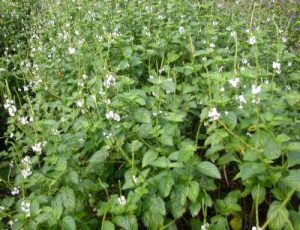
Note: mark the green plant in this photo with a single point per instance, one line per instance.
(157, 115)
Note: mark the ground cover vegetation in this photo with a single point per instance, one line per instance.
(149, 114)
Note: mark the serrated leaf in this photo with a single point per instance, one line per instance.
(161, 162)
(142, 115)
(176, 117)
(193, 191)
(107, 225)
(57, 207)
(293, 180)
(209, 169)
(155, 205)
(236, 222)
(250, 169)
(98, 157)
(166, 140)
(74, 177)
(68, 223)
(68, 198)
(152, 220)
(128, 222)
(165, 185)
(195, 208)
(294, 147)
(149, 157)
(278, 215)
(172, 57)
(258, 194)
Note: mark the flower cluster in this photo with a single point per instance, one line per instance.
(10, 107)
(111, 115)
(213, 114)
(110, 81)
(277, 67)
(122, 200)
(25, 207)
(15, 191)
(26, 164)
(38, 147)
(234, 82)
(252, 40)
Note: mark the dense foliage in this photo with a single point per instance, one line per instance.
(150, 115)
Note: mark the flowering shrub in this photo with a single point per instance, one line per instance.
(154, 115)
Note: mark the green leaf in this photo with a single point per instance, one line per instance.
(176, 117)
(152, 220)
(68, 198)
(177, 208)
(128, 222)
(68, 223)
(73, 177)
(209, 169)
(230, 120)
(193, 191)
(142, 115)
(155, 205)
(258, 194)
(172, 57)
(149, 157)
(293, 180)
(278, 215)
(195, 208)
(294, 147)
(98, 157)
(61, 164)
(250, 169)
(166, 140)
(56, 204)
(165, 184)
(107, 225)
(161, 162)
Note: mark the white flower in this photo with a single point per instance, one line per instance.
(71, 50)
(284, 40)
(37, 148)
(256, 228)
(109, 81)
(1, 208)
(233, 34)
(111, 115)
(256, 89)
(25, 207)
(134, 178)
(204, 59)
(252, 40)
(122, 200)
(23, 120)
(10, 107)
(241, 98)
(277, 67)
(15, 191)
(26, 172)
(222, 89)
(80, 103)
(212, 45)
(290, 64)
(215, 23)
(213, 114)
(234, 82)
(181, 30)
(205, 226)
(245, 61)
